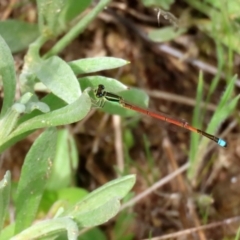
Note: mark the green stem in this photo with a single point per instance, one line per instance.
(77, 29)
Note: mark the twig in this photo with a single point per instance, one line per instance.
(192, 230)
(155, 186)
(118, 142)
(179, 99)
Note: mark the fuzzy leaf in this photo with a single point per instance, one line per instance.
(34, 175)
(7, 75)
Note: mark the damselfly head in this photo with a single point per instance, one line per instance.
(99, 92)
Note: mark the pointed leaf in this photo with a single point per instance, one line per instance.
(8, 232)
(111, 84)
(9, 121)
(99, 215)
(96, 203)
(18, 34)
(5, 188)
(34, 175)
(47, 227)
(57, 76)
(89, 65)
(65, 161)
(7, 75)
(71, 113)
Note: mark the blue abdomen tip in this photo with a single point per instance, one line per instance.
(222, 142)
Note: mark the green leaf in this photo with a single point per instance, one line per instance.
(52, 101)
(47, 227)
(32, 103)
(74, 8)
(42, 107)
(223, 113)
(5, 188)
(94, 233)
(34, 175)
(59, 78)
(123, 225)
(93, 81)
(102, 204)
(7, 75)
(9, 121)
(65, 162)
(18, 34)
(90, 65)
(71, 113)
(12, 141)
(72, 194)
(48, 16)
(98, 215)
(227, 94)
(63, 198)
(8, 232)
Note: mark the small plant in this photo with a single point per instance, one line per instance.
(67, 100)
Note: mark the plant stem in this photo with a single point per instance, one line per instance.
(77, 29)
